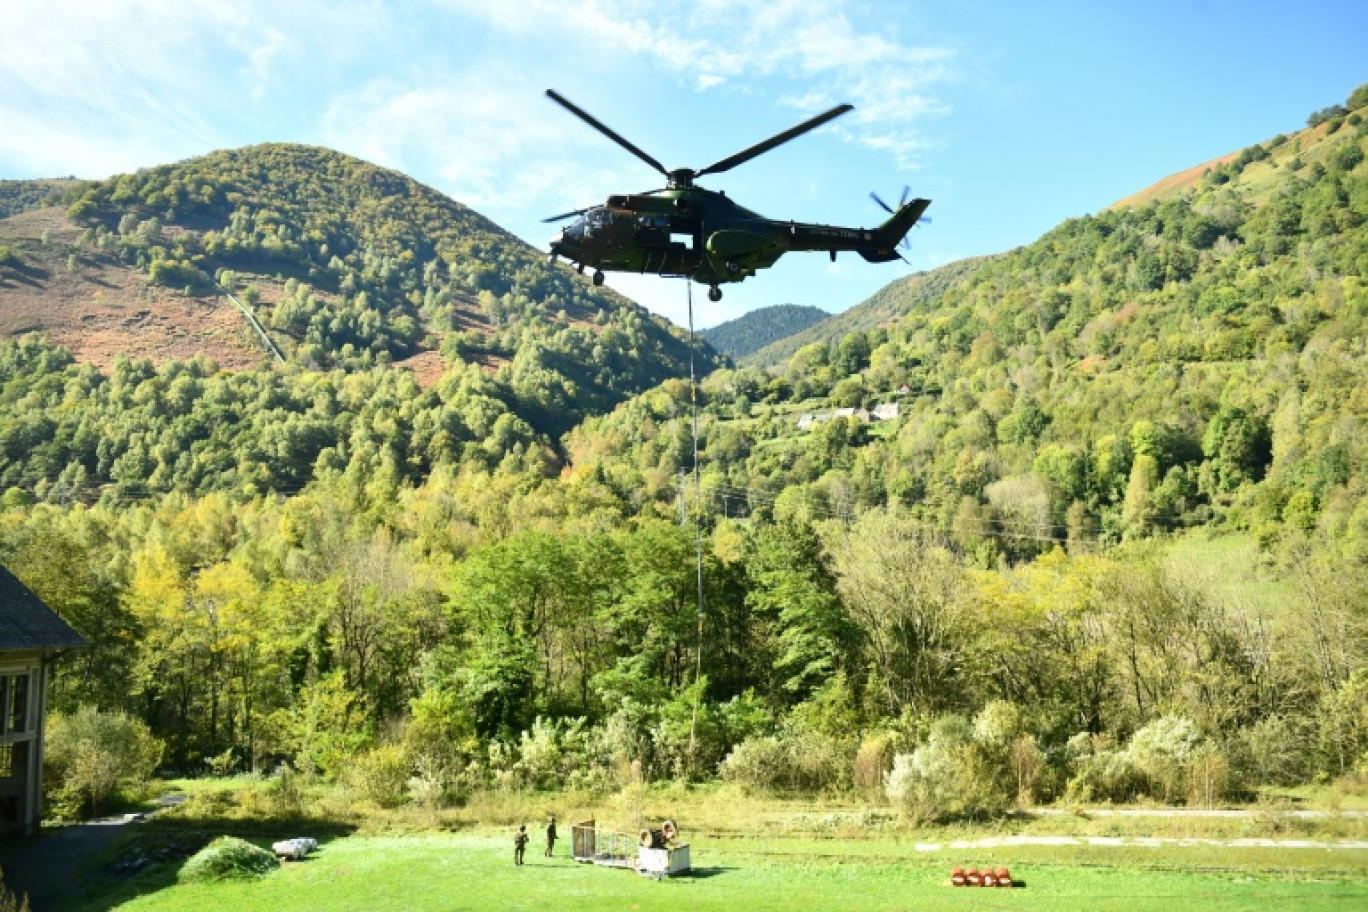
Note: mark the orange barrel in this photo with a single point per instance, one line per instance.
(1004, 877)
(989, 878)
(957, 877)
(972, 878)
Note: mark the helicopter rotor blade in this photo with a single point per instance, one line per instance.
(564, 215)
(882, 205)
(746, 155)
(604, 129)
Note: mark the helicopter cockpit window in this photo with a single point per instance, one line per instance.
(647, 220)
(600, 218)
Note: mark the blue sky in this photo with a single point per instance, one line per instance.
(1010, 116)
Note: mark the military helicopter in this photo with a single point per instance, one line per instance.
(682, 229)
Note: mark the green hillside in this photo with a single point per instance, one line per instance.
(753, 331)
(18, 196)
(350, 268)
(383, 265)
(882, 309)
(1192, 361)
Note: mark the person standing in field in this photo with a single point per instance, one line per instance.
(550, 835)
(519, 844)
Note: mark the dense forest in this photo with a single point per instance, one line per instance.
(754, 330)
(971, 601)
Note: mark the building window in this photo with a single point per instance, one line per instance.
(15, 718)
(19, 713)
(6, 760)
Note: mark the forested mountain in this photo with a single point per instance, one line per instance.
(882, 309)
(984, 581)
(349, 268)
(1195, 360)
(752, 331)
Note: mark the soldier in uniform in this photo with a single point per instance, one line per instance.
(550, 835)
(519, 844)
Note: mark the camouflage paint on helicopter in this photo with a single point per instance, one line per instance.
(685, 230)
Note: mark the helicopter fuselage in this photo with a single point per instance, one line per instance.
(703, 235)
(685, 230)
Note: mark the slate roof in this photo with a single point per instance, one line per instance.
(26, 623)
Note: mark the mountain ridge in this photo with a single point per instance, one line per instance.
(757, 328)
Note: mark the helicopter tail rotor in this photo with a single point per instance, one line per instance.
(902, 200)
(899, 216)
(893, 232)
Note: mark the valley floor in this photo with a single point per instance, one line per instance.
(748, 853)
(442, 871)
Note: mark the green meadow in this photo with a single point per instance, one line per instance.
(468, 871)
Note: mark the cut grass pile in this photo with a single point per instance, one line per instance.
(228, 858)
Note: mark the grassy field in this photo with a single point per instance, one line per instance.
(460, 871)
(1230, 565)
(750, 852)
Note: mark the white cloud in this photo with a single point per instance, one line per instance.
(485, 135)
(260, 59)
(78, 78)
(708, 44)
(99, 87)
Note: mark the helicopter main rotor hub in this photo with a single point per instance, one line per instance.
(681, 178)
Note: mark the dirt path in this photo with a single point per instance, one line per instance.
(50, 865)
(997, 842)
(59, 860)
(1297, 813)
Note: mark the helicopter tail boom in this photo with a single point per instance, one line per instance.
(892, 231)
(876, 245)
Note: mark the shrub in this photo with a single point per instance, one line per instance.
(381, 775)
(543, 756)
(228, 858)
(286, 793)
(800, 760)
(1161, 752)
(439, 741)
(1099, 773)
(435, 780)
(223, 764)
(1027, 762)
(945, 778)
(756, 763)
(1342, 725)
(1276, 751)
(815, 761)
(873, 761)
(1208, 776)
(91, 754)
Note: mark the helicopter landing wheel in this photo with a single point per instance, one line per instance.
(598, 276)
(714, 294)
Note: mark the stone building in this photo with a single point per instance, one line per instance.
(31, 635)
